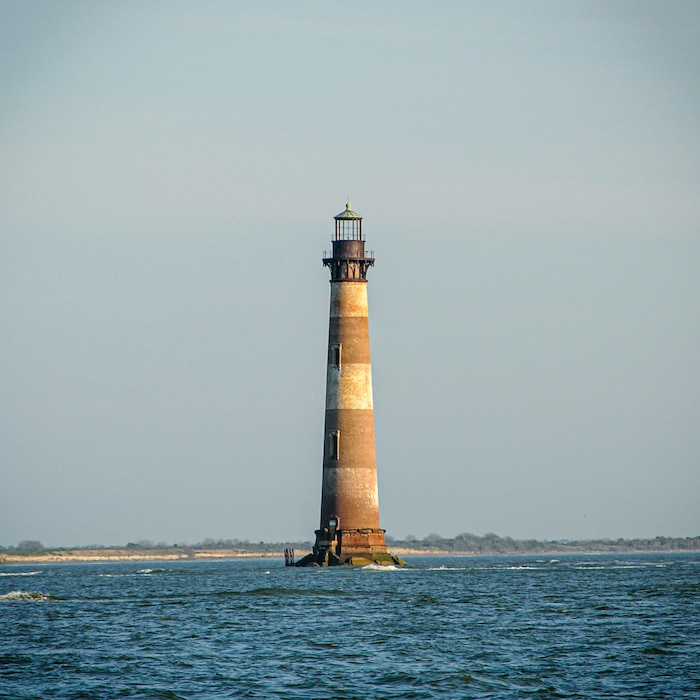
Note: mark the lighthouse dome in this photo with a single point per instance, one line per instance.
(348, 213)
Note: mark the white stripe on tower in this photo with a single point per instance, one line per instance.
(348, 383)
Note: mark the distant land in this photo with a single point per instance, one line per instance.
(31, 551)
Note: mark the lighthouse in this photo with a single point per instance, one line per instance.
(349, 530)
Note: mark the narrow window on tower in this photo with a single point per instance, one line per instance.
(334, 445)
(336, 355)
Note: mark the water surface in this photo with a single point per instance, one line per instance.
(606, 626)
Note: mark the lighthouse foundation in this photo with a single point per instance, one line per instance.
(350, 548)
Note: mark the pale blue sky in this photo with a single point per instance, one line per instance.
(529, 173)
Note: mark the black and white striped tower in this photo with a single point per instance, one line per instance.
(349, 531)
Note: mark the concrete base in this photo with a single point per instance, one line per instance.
(350, 548)
(332, 560)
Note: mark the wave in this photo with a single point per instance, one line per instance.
(134, 574)
(382, 567)
(27, 595)
(19, 573)
(291, 592)
(151, 571)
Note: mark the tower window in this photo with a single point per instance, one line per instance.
(334, 444)
(335, 355)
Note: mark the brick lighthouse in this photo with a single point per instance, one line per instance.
(349, 531)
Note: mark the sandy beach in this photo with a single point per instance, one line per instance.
(88, 555)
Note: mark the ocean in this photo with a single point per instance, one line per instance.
(572, 626)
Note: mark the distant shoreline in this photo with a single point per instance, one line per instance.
(68, 556)
(465, 544)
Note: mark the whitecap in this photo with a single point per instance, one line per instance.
(147, 572)
(25, 595)
(19, 573)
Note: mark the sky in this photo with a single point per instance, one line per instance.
(529, 177)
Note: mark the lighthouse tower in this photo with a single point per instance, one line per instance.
(349, 531)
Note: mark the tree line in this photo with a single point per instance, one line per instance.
(468, 543)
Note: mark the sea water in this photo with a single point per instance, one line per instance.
(606, 626)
